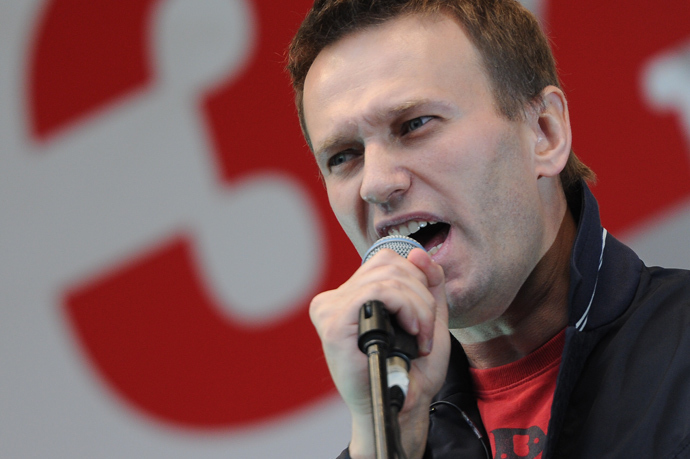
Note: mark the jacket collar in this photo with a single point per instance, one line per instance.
(604, 273)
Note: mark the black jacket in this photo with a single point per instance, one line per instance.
(623, 389)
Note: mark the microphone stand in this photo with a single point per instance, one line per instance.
(375, 332)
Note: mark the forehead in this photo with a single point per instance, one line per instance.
(413, 57)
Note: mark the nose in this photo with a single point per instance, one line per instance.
(384, 178)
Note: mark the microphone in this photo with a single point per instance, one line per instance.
(389, 350)
(403, 346)
(402, 245)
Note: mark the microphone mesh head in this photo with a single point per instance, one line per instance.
(402, 245)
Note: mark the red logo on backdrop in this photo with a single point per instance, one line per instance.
(150, 327)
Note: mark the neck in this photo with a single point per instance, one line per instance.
(538, 312)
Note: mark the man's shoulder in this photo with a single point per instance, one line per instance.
(665, 287)
(633, 389)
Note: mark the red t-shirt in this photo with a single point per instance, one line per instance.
(515, 400)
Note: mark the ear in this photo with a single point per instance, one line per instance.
(554, 138)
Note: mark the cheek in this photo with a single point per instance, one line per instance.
(339, 204)
(465, 152)
(349, 211)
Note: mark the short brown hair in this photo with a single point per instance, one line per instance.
(514, 50)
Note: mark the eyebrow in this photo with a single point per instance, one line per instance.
(413, 104)
(405, 107)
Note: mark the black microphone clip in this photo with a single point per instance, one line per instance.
(377, 326)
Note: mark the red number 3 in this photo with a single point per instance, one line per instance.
(150, 327)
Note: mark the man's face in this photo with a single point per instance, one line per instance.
(406, 133)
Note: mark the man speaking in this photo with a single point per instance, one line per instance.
(444, 120)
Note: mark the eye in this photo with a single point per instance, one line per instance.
(341, 158)
(415, 124)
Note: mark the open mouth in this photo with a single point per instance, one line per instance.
(431, 235)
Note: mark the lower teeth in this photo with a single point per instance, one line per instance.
(435, 249)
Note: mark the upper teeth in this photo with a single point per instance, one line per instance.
(408, 228)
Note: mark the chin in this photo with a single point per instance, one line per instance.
(470, 304)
